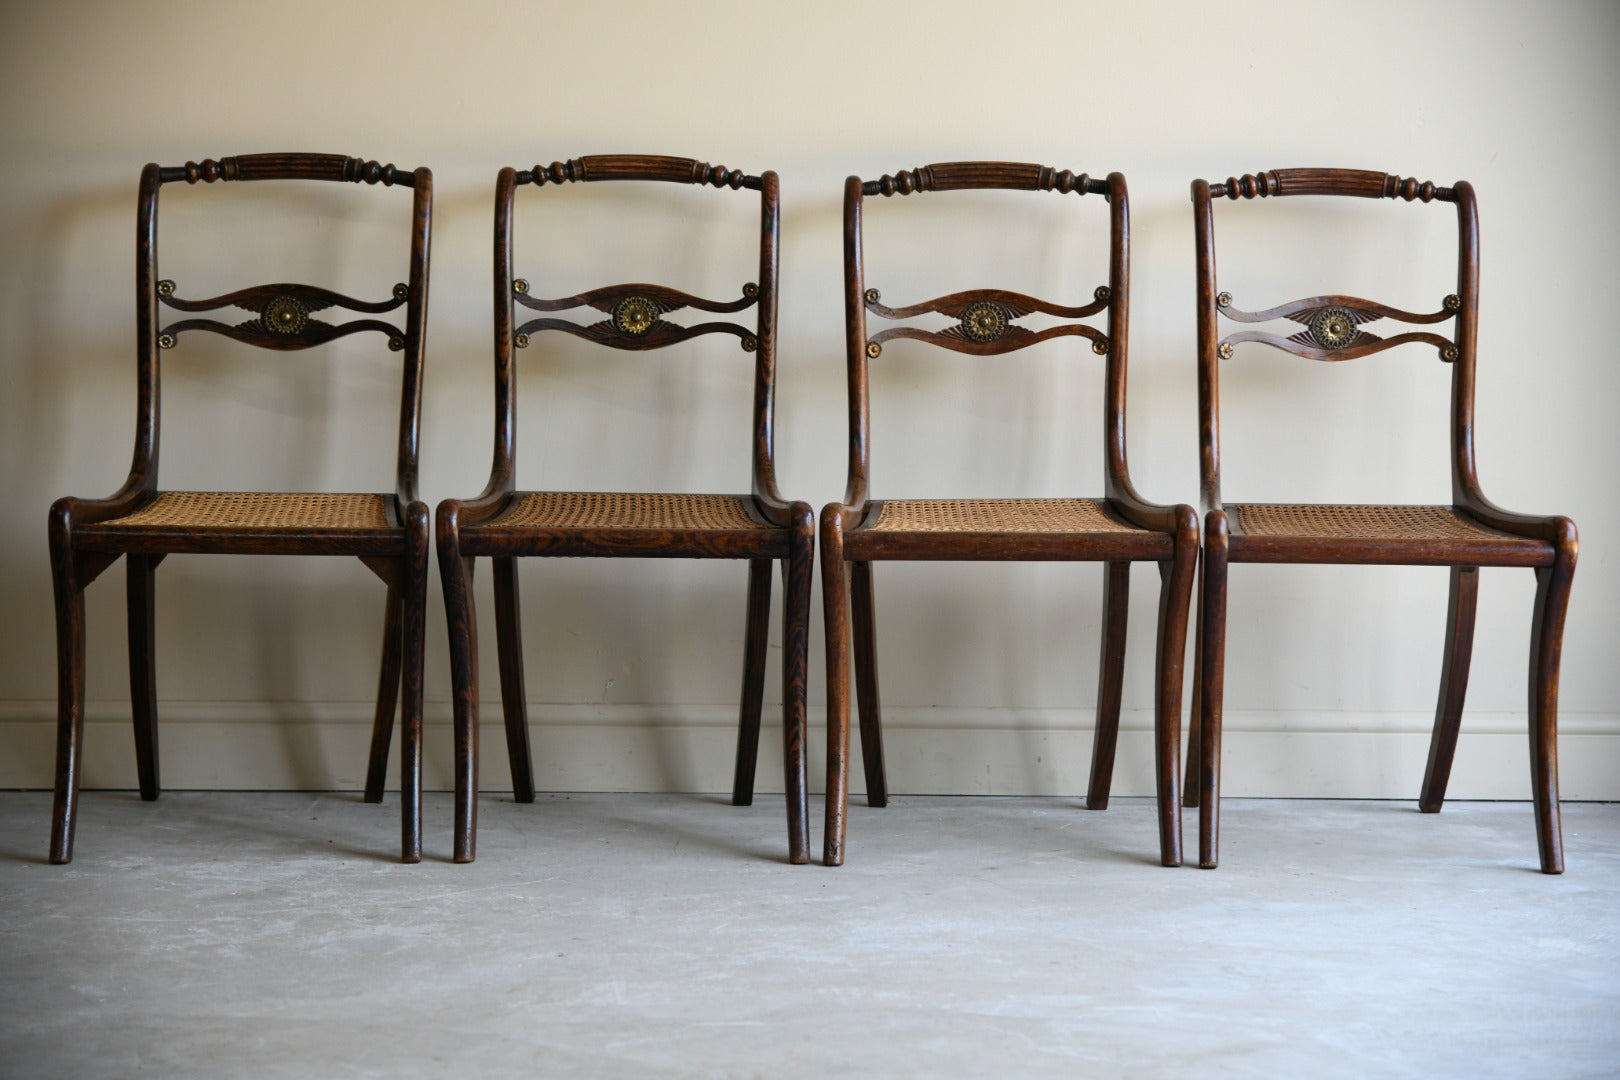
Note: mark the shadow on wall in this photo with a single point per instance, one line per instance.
(250, 420)
(71, 365)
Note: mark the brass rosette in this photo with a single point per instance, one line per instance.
(1334, 327)
(984, 321)
(285, 315)
(634, 315)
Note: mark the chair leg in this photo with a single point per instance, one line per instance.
(143, 670)
(382, 722)
(1453, 686)
(1189, 790)
(1110, 682)
(462, 625)
(514, 700)
(1175, 588)
(835, 619)
(69, 698)
(1211, 678)
(797, 572)
(756, 638)
(1546, 644)
(863, 620)
(413, 586)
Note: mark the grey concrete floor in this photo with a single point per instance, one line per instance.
(272, 935)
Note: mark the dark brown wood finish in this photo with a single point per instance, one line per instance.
(505, 524)
(382, 722)
(1117, 529)
(1469, 533)
(509, 655)
(1453, 686)
(756, 639)
(389, 533)
(1110, 682)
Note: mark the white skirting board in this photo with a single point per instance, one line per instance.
(323, 746)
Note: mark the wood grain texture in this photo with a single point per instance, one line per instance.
(659, 335)
(382, 722)
(505, 523)
(1210, 679)
(869, 704)
(1175, 586)
(88, 534)
(514, 695)
(1121, 527)
(1459, 647)
(797, 571)
(971, 175)
(663, 297)
(835, 624)
(1357, 183)
(1469, 533)
(649, 167)
(331, 167)
(1110, 681)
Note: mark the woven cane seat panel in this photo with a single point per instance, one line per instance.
(1341, 522)
(625, 510)
(205, 510)
(997, 516)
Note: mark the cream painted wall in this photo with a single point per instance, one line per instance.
(266, 667)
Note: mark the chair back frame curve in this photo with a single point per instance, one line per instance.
(628, 305)
(297, 302)
(1461, 307)
(1112, 297)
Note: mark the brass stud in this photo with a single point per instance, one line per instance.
(750, 290)
(1226, 351)
(874, 350)
(521, 341)
(520, 286)
(402, 291)
(1448, 353)
(1224, 300)
(1453, 302)
(165, 287)
(165, 341)
(749, 343)
(872, 296)
(1100, 346)
(396, 343)
(1103, 293)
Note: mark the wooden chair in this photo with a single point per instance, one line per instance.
(388, 532)
(1469, 533)
(1117, 530)
(504, 523)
